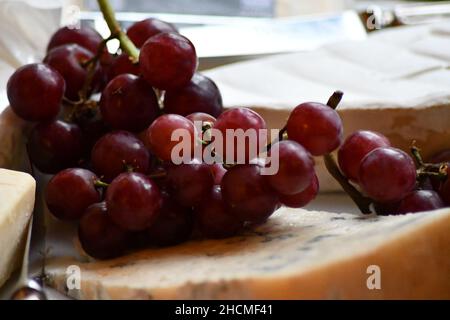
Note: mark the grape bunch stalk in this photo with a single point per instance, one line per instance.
(112, 156)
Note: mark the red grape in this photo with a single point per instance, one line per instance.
(129, 103)
(296, 168)
(387, 174)
(56, 145)
(99, 236)
(301, 199)
(115, 151)
(355, 148)
(315, 126)
(218, 172)
(35, 92)
(214, 217)
(201, 117)
(174, 225)
(68, 61)
(120, 65)
(200, 95)
(85, 37)
(70, 192)
(160, 135)
(168, 60)
(189, 184)
(420, 200)
(134, 201)
(141, 31)
(248, 194)
(245, 119)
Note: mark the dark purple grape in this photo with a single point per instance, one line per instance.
(317, 127)
(167, 61)
(296, 168)
(420, 200)
(121, 65)
(200, 95)
(444, 190)
(70, 192)
(355, 148)
(441, 157)
(245, 119)
(56, 145)
(214, 218)
(301, 199)
(218, 172)
(85, 37)
(143, 30)
(159, 135)
(174, 225)
(99, 236)
(117, 152)
(248, 194)
(129, 103)
(387, 174)
(35, 92)
(68, 60)
(134, 201)
(189, 184)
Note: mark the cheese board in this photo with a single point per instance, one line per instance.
(133, 213)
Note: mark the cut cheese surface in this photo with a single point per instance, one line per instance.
(297, 254)
(17, 193)
(396, 82)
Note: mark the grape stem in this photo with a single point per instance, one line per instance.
(361, 201)
(125, 43)
(100, 184)
(424, 170)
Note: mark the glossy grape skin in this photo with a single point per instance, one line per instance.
(167, 61)
(189, 184)
(215, 219)
(248, 194)
(296, 168)
(143, 30)
(240, 118)
(129, 103)
(387, 174)
(56, 145)
(355, 148)
(301, 199)
(201, 117)
(99, 236)
(121, 65)
(174, 225)
(218, 172)
(70, 192)
(85, 37)
(420, 200)
(201, 94)
(134, 201)
(160, 132)
(316, 127)
(35, 92)
(68, 61)
(115, 151)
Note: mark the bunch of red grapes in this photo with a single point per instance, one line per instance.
(111, 157)
(388, 176)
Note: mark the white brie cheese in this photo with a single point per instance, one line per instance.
(17, 192)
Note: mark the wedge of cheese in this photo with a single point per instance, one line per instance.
(396, 82)
(297, 254)
(17, 192)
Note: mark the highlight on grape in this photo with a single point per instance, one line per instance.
(237, 146)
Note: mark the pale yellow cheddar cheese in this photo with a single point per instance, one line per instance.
(297, 254)
(17, 194)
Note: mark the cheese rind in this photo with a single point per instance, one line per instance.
(17, 193)
(298, 254)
